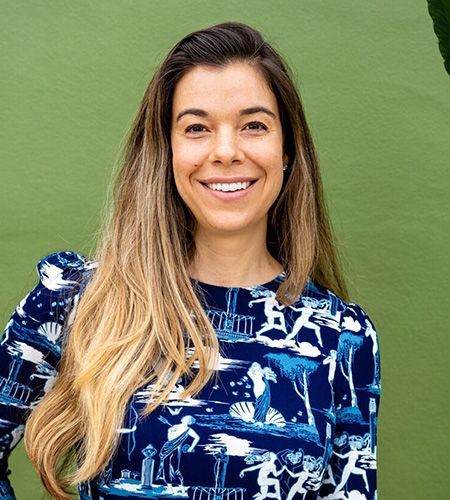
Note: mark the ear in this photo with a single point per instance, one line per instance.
(285, 159)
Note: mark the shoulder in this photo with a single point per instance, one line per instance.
(61, 276)
(356, 319)
(348, 315)
(39, 317)
(63, 269)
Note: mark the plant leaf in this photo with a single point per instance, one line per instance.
(440, 14)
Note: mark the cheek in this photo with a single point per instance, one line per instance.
(185, 152)
(184, 164)
(277, 187)
(269, 156)
(274, 184)
(183, 173)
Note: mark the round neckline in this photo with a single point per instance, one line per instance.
(272, 284)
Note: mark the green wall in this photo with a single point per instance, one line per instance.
(377, 99)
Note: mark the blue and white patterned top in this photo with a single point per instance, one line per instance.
(293, 414)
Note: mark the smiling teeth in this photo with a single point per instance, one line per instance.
(229, 187)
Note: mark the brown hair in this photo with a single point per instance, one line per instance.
(139, 315)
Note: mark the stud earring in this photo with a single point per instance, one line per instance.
(285, 167)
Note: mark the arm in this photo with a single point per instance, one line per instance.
(196, 439)
(248, 469)
(357, 389)
(292, 474)
(255, 301)
(278, 472)
(30, 350)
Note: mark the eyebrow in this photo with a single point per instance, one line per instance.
(246, 111)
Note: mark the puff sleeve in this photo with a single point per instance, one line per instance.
(352, 472)
(30, 348)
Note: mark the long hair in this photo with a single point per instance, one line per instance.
(139, 315)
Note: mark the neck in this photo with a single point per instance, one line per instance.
(232, 259)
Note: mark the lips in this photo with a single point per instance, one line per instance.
(230, 195)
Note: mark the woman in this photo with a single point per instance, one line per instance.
(135, 363)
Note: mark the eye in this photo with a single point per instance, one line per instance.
(188, 129)
(258, 123)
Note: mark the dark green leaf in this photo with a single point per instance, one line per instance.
(440, 14)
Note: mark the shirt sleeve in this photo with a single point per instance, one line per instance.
(30, 348)
(352, 471)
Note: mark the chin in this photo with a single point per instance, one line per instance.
(227, 225)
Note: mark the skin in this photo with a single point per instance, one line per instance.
(230, 235)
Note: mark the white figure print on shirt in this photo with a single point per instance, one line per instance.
(331, 360)
(261, 389)
(266, 469)
(311, 472)
(260, 412)
(272, 311)
(177, 434)
(370, 332)
(304, 321)
(356, 452)
(45, 372)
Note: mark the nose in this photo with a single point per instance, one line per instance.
(226, 146)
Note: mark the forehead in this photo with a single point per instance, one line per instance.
(228, 88)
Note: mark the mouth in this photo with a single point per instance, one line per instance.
(230, 195)
(251, 182)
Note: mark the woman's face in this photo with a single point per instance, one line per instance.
(216, 134)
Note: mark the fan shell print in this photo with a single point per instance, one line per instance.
(292, 414)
